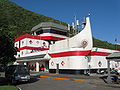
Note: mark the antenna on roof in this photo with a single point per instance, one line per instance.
(69, 27)
(77, 22)
(76, 25)
(73, 25)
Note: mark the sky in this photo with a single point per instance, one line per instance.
(105, 14)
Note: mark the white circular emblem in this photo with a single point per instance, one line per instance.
(84, 43)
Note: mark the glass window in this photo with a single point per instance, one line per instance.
(22, 69)
(51, 31)
(58, 32)
(39, 32)
(46, 31)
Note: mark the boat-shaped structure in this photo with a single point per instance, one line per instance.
(50, 47)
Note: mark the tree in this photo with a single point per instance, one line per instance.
(7, 50)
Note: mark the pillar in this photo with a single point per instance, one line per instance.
(57, 68)
(108, 69)
(37, 66)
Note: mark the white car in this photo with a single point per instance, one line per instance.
(117, 70)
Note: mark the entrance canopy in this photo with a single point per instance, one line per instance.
(114, 57)
(42, 57)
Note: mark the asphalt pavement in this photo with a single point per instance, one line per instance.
(97, 79)
(50, 81)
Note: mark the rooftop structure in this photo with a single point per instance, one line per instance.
(49, 25)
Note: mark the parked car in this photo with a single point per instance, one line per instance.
(117, 71)
(17, 73)
(101, 71)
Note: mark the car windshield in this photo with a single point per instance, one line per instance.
(22, 70)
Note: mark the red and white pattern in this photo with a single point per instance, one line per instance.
(52, 63)
(62, 63)
(38, 37)
(79, 53)
(69, 53)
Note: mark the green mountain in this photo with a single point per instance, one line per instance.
(18, 21)
(105, 44)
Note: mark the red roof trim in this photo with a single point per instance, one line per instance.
(79, 53)
(70, 53)
(38, 37)
(27, 47)
(96, 53)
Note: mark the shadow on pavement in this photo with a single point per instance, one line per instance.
(4, 81)
(114, 79)
(104, 78)
(32, 80)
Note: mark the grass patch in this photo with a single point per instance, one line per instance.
(8, 88)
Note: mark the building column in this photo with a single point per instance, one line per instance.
(109, 80)
(57, 68)
(37, 66)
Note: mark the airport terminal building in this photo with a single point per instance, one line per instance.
(49, 47)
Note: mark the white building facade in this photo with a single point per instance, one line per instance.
(50, 47)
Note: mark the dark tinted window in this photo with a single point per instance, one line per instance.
(11, 69)
(22, 69)
(47, 31)
(58, 32)
(39, 32)
(51, 31)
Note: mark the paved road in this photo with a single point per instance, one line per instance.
(44, 83)
(57, 84)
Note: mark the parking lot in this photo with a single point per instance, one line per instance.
(47, 81)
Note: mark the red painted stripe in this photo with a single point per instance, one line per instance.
(96, 53)
(38, 37)
(79, 53)
(70, 53)
(51, 38)
(27, 47)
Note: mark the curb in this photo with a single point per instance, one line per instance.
(18, 88)
(81, 80)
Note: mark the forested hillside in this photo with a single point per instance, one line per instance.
(17, 21)
(105, 44)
